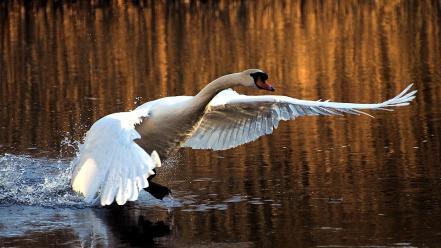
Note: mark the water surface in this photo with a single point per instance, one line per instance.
(349, 181)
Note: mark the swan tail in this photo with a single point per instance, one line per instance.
(111, 166)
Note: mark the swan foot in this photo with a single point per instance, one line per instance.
(156, 190)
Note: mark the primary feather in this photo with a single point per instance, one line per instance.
(232, 119)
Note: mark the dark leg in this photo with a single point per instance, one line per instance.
(156, 190)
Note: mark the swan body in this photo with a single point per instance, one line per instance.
(121, 151)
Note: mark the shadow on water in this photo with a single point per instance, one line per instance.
(90, 227)
(133, 229)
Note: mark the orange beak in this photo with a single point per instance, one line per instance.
(265, 85)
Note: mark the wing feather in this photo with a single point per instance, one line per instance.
(233, 119)
(111, 166)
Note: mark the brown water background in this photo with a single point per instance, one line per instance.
(316, 182)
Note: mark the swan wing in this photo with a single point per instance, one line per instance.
(111, 166)
(232, 119)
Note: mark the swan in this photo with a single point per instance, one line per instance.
(121, 151)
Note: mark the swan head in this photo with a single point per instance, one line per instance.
(257, 78)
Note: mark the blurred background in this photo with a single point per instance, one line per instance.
(342, 181)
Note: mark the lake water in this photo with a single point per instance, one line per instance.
(347, 181)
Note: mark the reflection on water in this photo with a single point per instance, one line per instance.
(67, 227)
(317, 181)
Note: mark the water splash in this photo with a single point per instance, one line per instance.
(25, 180)
(36, 181)
(69, 146)
(138, 101)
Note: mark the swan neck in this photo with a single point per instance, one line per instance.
(216, 86)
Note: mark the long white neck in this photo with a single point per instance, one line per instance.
(216, 86)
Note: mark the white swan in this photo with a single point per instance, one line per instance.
(120, 151)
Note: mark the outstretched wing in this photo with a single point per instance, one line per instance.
(111, 166)
(232, 119)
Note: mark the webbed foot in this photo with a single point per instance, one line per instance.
(158, 191)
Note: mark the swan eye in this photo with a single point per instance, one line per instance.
(259, 75)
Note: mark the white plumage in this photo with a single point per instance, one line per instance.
(120, 150)
(232, 119)
(111, 166)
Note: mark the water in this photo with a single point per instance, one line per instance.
(350, 181)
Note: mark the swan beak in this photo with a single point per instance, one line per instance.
(267, 86)
(264, 85)
(271, 88)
